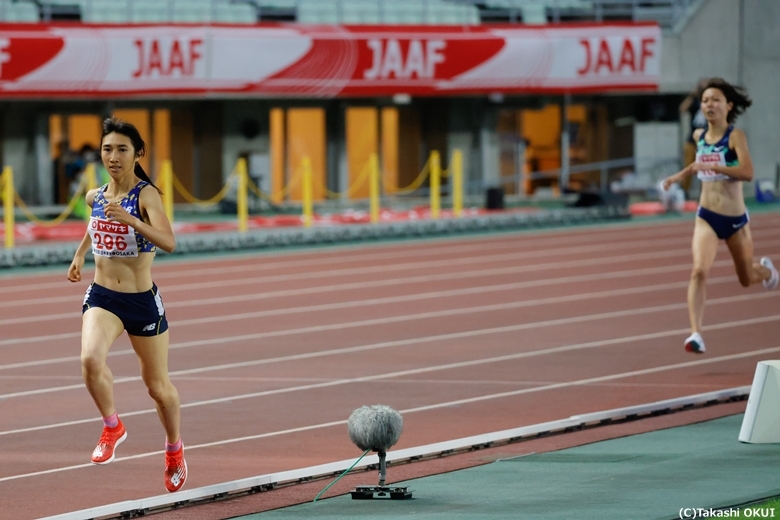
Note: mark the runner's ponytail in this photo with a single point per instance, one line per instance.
(141, 174)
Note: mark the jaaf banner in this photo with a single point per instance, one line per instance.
(291, 60)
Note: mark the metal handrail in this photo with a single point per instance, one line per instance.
(603, 167)
(668, 13)
(669, 164)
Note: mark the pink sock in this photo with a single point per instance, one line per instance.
(112, 421)
(172, 448)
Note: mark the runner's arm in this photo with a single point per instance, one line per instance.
(74, 271)
(158, 231)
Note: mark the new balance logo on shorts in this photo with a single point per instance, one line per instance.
(149, 327)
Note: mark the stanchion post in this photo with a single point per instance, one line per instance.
(435, 184)
(166, 185)
(243, 210)
(7, 185)
(456, 167)
(89, 183)
(91, 176)
(306, 194)
(374, 187)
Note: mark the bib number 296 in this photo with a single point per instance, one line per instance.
(109, 242)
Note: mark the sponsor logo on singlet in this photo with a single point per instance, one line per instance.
(112, 238)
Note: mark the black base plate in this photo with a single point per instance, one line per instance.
(370, 492)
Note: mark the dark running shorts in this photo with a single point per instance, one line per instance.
(142, 314)
(724, 226)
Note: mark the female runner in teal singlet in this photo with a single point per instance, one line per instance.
(722, 164)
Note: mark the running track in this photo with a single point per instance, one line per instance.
(272, 352)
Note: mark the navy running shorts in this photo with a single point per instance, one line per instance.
(142, 314)
(723, 225)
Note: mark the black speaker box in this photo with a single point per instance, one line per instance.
(494, 198)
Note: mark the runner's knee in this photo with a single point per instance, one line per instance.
(699, 274)
(159, 390)
(91, 365)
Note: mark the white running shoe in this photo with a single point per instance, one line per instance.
(695, 344)
(771, 283)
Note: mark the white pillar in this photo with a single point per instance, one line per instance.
(761, 423)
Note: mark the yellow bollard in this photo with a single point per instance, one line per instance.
(456, 167)
(243, 211)
(276, 136)
(89, 182)
(91, 176)
(166, 186)
(374, 187)
(435, 184)
(306, 194)
(7, 186)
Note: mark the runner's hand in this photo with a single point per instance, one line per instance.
(74, 271)
(115, 211)
(700, 167)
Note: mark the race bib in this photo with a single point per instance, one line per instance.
(714, 158)
(112, 238)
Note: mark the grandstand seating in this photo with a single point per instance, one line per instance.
(385, 12)
(20, 12)
(249, 11)
(666, 12)
(531, 11)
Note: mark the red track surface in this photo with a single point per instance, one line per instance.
(271, 353)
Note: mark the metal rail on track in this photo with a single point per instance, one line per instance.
(261, 483)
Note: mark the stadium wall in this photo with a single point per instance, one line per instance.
(738, 40)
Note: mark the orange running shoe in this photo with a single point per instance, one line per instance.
(109, 440)
(175, 470)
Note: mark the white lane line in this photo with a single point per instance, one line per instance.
(600, 379)
(254, 296)
(448, 262)
(534, 353)
(495, 244)
(519, 269)
(656, 255)
(482, 398)
(38, 339)
(209, 301)
(255, 263)
(570, 250)
(381, 321)
(394, 319)
(409, 280)
(412, 341)
(249, 262)
(459, 382)
(290, 292)
(38, 377)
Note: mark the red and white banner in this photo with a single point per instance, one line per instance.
(325, 61)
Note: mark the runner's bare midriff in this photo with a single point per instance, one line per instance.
(723, 197)
(127, 275)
